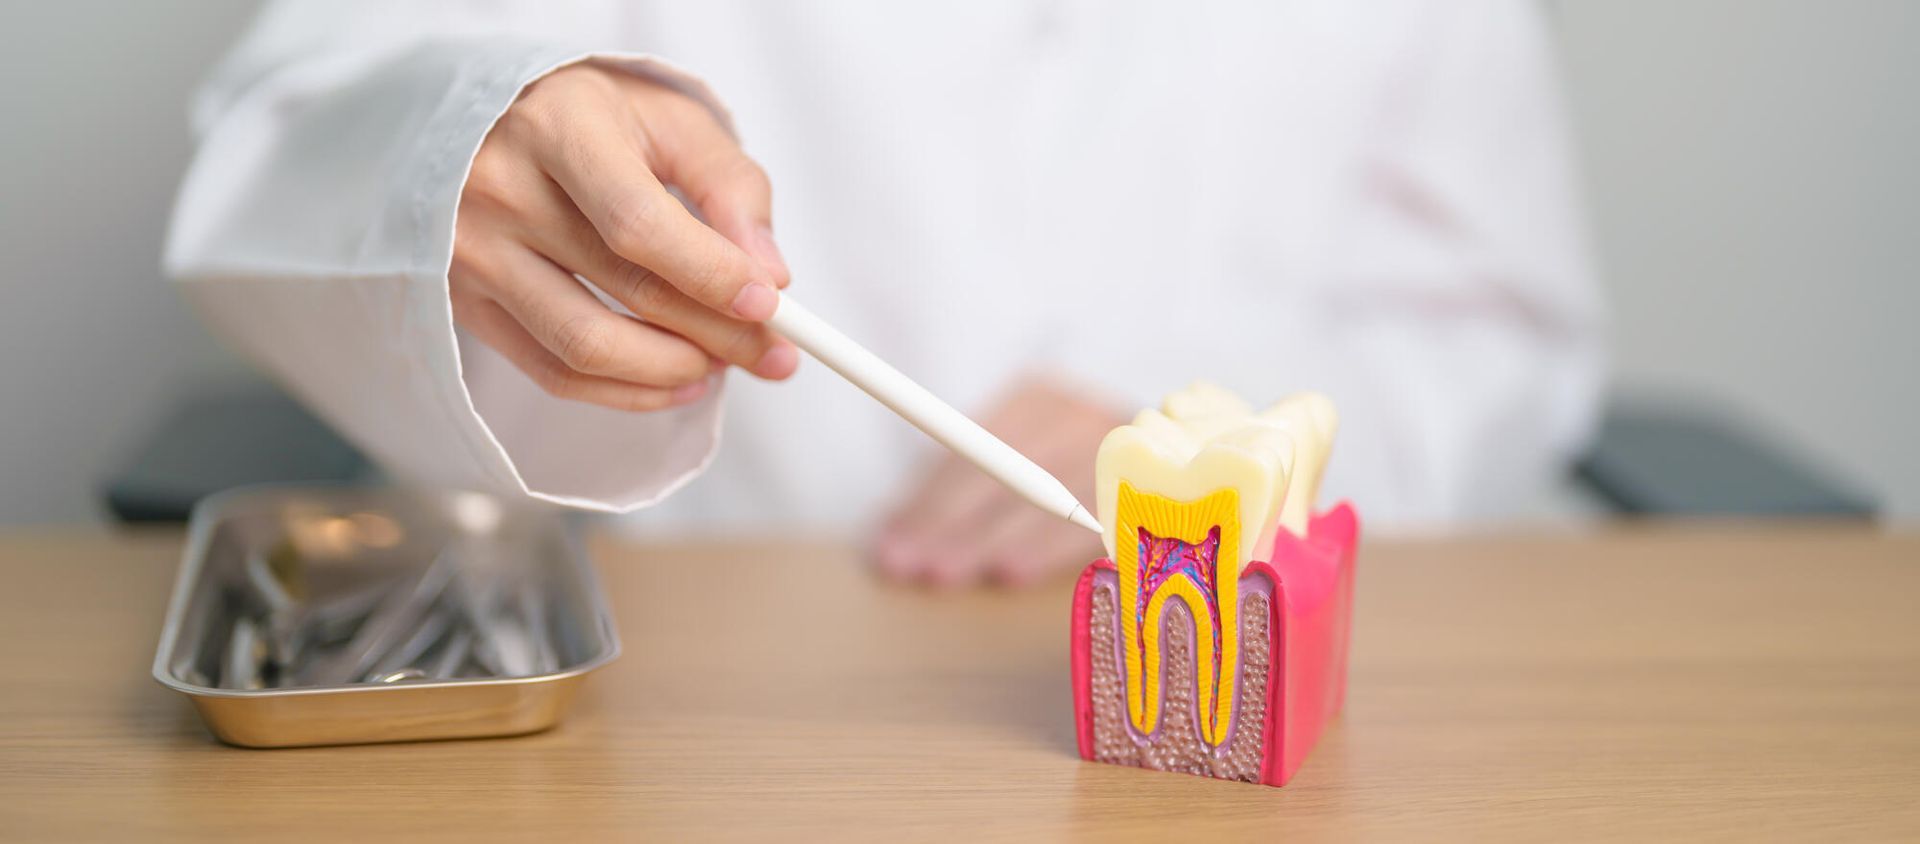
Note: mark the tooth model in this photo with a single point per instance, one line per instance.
(1213, 638)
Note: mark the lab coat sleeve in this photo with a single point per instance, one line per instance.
(1460, 331)
(315, 227)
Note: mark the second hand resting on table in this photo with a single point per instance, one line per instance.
(578, 177)
(958, 526)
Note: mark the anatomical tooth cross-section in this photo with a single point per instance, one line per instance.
(1213, 638)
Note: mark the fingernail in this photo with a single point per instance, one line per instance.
(769, 254)
(756, 302)
(689, 392)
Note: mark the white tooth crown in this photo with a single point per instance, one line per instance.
(1204, 438)
(1168, 461)
(1309, 418)
(1203, 399)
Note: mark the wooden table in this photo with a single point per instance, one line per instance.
(1656, 683)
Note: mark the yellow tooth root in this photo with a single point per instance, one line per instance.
(1174, 542)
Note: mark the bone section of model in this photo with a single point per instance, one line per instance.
(1188, 495)
(1178, 746)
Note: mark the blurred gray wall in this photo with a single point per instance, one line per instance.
(1753, 171)
(1751, 167)
(93, 140)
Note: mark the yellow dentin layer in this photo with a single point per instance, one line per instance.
(1211, 523)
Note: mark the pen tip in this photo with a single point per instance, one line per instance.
(1081, 517)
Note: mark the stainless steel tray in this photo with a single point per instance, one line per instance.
(313, 615)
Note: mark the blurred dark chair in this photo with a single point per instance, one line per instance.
(1691, 458)
(212, 442)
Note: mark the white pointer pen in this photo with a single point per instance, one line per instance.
(928, 413)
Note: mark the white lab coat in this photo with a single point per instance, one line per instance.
(1370, 199)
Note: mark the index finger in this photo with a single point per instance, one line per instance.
(606, 175)
(705, 163)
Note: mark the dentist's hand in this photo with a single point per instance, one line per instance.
(960, 527)
(575, 179)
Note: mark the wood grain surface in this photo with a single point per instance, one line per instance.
(1656, 683)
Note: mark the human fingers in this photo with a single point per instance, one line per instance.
(963, 548)
(953, 487)
(956, 551)
(1008, 543)
(930, 530)
(749, 345)
(928, 533)
(492, 325)
(691, 151)
(573, 326)
(575, 245)
(600, 159)
(1041, 546)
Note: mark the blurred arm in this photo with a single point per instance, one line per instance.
(315, 227)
